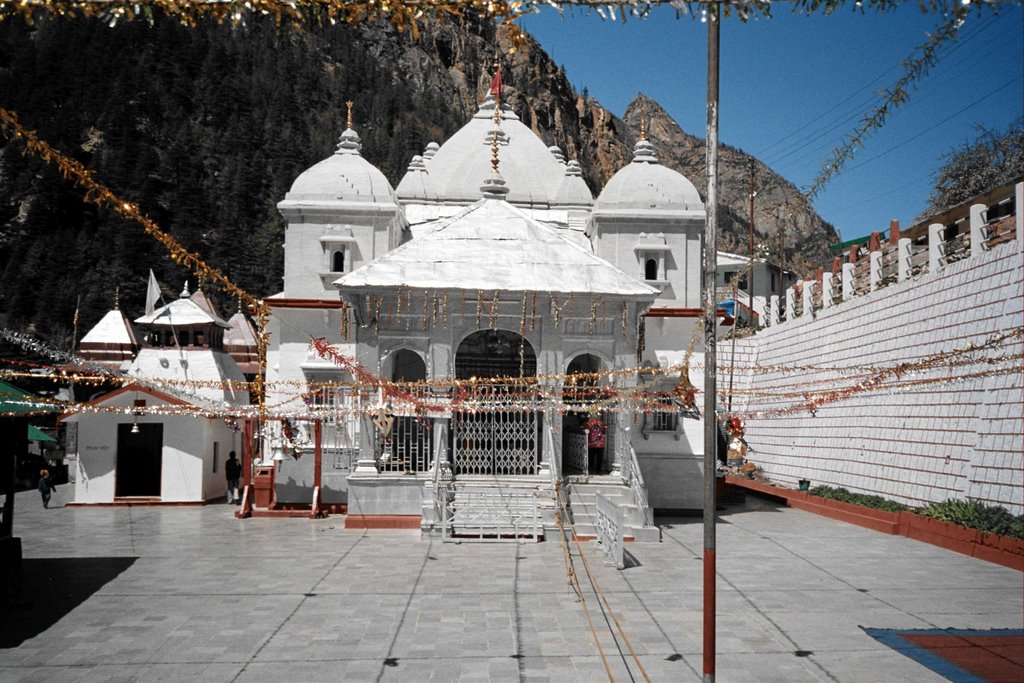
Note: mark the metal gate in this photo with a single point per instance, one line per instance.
(493, 439)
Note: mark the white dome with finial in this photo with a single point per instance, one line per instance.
(532, 174)
(345, 176)
(646, 186)
(417, 185)
(574, 191)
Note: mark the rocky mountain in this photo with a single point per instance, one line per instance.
(783, 218)
(207, 127)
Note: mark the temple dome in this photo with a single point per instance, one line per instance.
(573, 190)
(343, 176)
(417, 184)
(645, 185)
(531, 172)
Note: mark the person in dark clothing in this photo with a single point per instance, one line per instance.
(46, 487)
(233, 472)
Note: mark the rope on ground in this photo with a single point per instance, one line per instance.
(573, 579)
(608, 610)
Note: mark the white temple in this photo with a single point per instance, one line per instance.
(144, 443)
(467, 273)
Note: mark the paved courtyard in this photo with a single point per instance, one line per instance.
(194, 594)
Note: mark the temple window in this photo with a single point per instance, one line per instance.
(651, 269)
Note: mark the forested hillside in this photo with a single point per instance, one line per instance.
(207, 127)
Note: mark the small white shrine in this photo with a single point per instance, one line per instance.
(160, 440)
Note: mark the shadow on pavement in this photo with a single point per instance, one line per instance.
(49, 589)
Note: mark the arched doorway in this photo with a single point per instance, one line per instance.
(408, 446)
(583, 432)
(495, 436)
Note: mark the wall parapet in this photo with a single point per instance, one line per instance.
(925, 249)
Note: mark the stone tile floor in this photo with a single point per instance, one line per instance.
(195, 594)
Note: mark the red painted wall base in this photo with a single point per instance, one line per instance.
(383, 521)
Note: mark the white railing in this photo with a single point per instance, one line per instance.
(610, 532)
(639, 488)
(441, 481)
(575, 450)
(487, 511)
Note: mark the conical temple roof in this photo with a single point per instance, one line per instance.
(240, 342)
(111, 342)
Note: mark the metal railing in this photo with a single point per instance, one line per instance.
(408, 448)
(491, 512)
(639, 488)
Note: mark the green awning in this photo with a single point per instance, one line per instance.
(15, 400)
(37, 434)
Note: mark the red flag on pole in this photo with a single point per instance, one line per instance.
(496, 84)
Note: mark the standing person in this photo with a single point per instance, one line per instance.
(46, 487)
(233, 471)
(595, 444)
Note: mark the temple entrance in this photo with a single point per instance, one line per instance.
(495, 436)
(408, 447)
(583, 432)
(139, 459)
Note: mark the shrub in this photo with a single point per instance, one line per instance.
(977, 515)
(862, 499)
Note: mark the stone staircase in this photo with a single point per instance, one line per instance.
(581, 495)
(489, 507)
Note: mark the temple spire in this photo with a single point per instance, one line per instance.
(496, 93)
(348, 117)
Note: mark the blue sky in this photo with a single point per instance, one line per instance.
(792, 86)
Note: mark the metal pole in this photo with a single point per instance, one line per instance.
(750, 275)
(709, 305)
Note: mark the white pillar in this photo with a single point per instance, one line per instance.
(807, 295)
(935, 247)
(848, 281)
(366, 465)
(903, 259)
(790, 304)
(826, 290)
(978, 225)
(773, 310)
(1019, 197)
(875, 269)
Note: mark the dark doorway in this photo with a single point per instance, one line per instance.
(408, 367)
(139, 459)
(583, 433)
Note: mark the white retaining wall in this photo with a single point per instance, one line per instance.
(915, 444)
